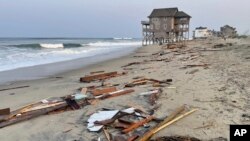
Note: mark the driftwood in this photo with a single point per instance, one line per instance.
(144, 81)
(14, 88)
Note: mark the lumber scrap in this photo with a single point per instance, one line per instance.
(115, 94)
(121, 125)
(168, 121)
(150, 133)
(89, 78)
(31, 114)
(14, 88)
(138, 124)
(175, 119)
(97, 92)
(5, 111)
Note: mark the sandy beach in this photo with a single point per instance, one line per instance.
(220, 90)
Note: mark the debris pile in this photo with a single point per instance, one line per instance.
(132, 124)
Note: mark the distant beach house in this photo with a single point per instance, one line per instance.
(228, 31)
(166, 25)
(202, 33)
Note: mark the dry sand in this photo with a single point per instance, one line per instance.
(220, 91)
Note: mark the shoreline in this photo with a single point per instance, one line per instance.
(216, 90)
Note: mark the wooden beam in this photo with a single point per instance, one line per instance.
(97, 92)
(150, 133)
(138, 124)
(102, 76)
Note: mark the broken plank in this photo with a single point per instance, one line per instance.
(150, 133)
(102, 76)
(14, 88)
(115, 94)
(30, 115)
(138, 124)
(97, 92)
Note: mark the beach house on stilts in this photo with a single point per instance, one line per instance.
(166, 25)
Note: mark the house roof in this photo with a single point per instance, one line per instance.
(181, 14)
(164, 12)
(168, 12)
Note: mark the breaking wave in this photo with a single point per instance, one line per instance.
(52, 46)
(115, 44)
(74, 45)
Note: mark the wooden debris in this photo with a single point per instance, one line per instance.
(137, 82)
(150, 133)
(121, 125)
(115, 94)
(97, 92)
(14, 88)
(144, 81)
(5, 111)
(168, 121)
(102, 76)
(30, 115)
(133, 63)
(138, 124)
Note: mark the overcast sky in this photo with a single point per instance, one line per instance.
(110, 18)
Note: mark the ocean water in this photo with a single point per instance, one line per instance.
(19, 52)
